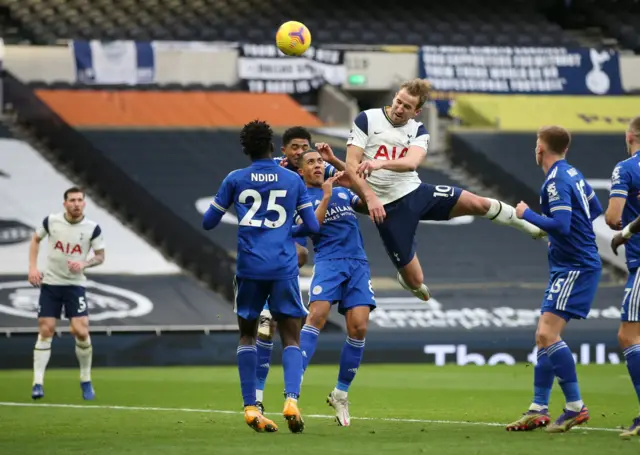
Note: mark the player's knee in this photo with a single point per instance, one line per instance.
(317, 317)
(46, 329)
(545, 337)
(247, 340)
(357, 330)
(627, 337)
(477, 205)
(81, 335)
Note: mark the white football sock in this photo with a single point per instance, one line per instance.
(339, 393)
(575, 406)
(41, 356)
(259, 395)
(504, 214)
(537, 407)
(84, 353)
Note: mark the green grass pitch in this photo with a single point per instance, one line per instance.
(396, 409)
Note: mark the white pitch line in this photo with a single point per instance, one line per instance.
(312, 416)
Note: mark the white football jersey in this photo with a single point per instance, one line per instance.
(373, 131)
(68, 242)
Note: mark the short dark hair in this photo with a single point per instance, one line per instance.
(296, 132)
(73, 189)
(301, 157)
(556, 138)
(256, 139)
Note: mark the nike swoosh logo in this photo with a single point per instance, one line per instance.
(377, 132)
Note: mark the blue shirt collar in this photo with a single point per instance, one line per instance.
(556, 164)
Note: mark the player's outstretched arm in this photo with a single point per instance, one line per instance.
(408, 163)
(360, 185)
(558, 223)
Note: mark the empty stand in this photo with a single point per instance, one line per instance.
(85, 108)
(618, 18)
(457, 22)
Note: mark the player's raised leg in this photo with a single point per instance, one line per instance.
(50, 308)
(247, 292)
(629, 339)
(497, 211)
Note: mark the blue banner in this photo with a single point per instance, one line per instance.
(519, 70)
(115, 62)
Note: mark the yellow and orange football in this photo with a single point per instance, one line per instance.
(293, 38)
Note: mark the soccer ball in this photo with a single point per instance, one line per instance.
(293, 38)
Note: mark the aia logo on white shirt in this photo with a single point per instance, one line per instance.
(391, 153)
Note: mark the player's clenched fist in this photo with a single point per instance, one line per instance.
(520, 208)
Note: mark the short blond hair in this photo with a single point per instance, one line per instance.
(634, 128)
(419, 88)
(556, 138)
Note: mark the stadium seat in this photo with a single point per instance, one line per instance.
(461, 22)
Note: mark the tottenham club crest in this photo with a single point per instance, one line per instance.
(20, 299)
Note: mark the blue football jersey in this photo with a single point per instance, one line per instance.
(339, 236)
(625, 183)
(329, 170)
(566, 189)
(266, 197)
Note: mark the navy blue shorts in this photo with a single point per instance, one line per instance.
(570, 293)
(282, 296)
(346, 282)
(54, 298)
(398, 230)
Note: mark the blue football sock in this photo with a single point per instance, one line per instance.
(542, 379)
(350, 359)
(564, 367)
(292, 365)
(247, 362)
(264, 349)
(308, 342)
(632, 354)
